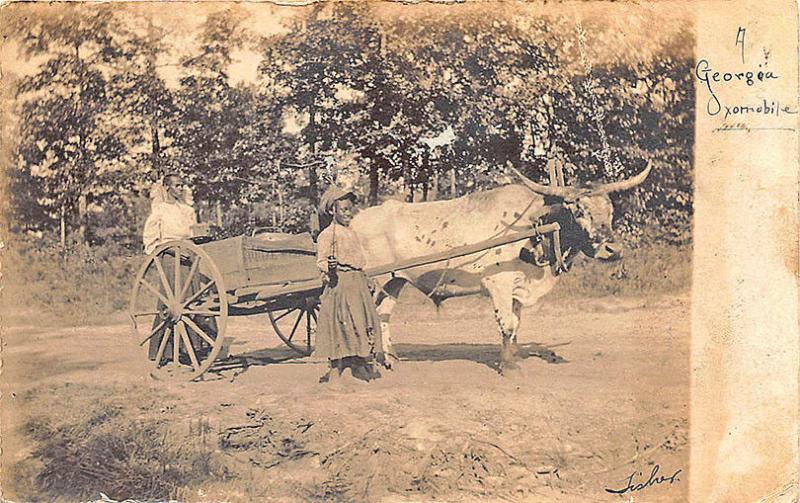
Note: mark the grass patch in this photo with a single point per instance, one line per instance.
(76, 285)
(85, 285)
(89, 440)
(648, 270)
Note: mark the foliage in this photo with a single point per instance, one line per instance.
(67, 144)
(100, 122)
(211, 115)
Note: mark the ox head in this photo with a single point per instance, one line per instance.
(588, 223)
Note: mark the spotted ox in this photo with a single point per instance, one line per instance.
(512, 275)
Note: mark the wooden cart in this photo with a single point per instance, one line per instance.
(184, 292)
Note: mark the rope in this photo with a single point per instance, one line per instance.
(333, 232)
(612, 168)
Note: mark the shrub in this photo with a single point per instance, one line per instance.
(652, 269)
(119, 442)
(76, 284)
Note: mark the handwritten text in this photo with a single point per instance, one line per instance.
(706, 74)
(652, 480)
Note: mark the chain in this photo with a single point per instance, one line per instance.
(611, 167)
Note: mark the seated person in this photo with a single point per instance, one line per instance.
(171, 217)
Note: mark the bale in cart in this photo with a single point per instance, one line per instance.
(349, 329)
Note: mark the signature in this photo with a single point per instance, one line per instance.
(654, 479)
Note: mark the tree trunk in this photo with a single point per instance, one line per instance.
(424, 174)
(155, 155)
(434, 190)
(453, 189)
(281, 207)
(312, 171)
(410, 194)
(373, 183)
(82, 218)
(152, 57)
(63, 226)
(83, 161)
(219, 213)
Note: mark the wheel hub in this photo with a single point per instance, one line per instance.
(173, 313)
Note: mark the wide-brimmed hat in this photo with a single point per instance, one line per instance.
(333, 194)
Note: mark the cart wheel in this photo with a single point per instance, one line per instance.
(188, 323)
(300, 324)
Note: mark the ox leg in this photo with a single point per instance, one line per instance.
(507, 312)
(385, 302)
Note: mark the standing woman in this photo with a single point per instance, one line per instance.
(349, 329)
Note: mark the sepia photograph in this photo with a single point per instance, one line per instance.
(347, 251)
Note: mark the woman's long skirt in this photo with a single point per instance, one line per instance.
(348, 321)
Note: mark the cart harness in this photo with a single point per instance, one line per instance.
(555, 256)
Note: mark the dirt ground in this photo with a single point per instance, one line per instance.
(603, 392)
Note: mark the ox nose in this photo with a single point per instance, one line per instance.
(608, 251)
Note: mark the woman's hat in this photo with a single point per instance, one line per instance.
(333, 194)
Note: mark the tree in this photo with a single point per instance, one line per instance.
(322, 69)
(211, 114)
(65, 145)
(145, 106)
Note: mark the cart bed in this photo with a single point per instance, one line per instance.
(252, 261)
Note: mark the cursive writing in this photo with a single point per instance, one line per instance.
(766, 108)
(706, 74)
(654, 479)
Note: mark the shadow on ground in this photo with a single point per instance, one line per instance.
(28, 364)
(484, 354)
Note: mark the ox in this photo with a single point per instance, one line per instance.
(512, 275)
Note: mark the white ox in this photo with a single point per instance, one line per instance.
(395, 231)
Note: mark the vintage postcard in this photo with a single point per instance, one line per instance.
(399, 251)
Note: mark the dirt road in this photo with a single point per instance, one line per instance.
(602, 393)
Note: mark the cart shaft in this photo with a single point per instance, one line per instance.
(264, 292)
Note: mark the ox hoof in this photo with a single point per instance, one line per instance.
(387, 360)
(509, 368)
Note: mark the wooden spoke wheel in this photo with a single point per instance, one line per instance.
(296, 325)
(179, 307)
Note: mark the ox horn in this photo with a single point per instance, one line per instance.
(545, 190)
(630, 183)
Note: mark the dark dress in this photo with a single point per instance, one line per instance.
(348, 321)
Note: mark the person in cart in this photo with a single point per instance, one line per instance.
(349, 329)
(171, 217)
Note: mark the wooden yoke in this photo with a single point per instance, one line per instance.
(555, 169)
